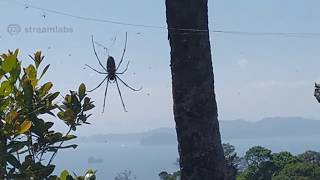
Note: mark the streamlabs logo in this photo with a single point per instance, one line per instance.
(13, 29)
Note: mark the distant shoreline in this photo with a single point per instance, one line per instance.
(275, 127)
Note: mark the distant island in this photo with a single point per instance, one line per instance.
(93, 160)
(272, 127)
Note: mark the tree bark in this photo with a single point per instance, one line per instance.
(3, 151)
(195, 108)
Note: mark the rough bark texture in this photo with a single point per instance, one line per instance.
(195, 108)
(2, 153)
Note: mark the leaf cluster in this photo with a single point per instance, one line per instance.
(28, 142)
(263, 164)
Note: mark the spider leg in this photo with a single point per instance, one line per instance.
(124, 69)
(124, 107)
(113, 41)
(95, 70)
(133, 89)
(105, 96)
(95, 52)
(105, 48)
(124, 50)
(99, 84)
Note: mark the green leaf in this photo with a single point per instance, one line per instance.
(82, 91)
(91, 174)
(68, 137)
(74, 146)
(88, 107)
(86, 100)
(44, 71)
(11, 117)
(2, 72)
(15, 73)
(49, 125)
(45, 88)
(53, 96)
(61, 115)
(27, 92)
(64, 174)
(37, 58)
(31, 72)
(16, 52)
(67, 99)
(56, 137)
(15, 146)
(25, 126)
(69, 116)
(45, 172)
(9, 63)
(38, 127)
(4, 103)
(13, 161)
(91, 171)
(5, 88)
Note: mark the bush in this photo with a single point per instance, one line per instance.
(28, 143)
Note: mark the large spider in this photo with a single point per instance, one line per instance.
(111, 73)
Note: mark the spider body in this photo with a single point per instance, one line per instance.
(111, 68)
(111, 74)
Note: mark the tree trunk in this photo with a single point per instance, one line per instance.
(195, 108)
(3, 151)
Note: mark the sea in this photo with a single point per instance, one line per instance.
(146, 162)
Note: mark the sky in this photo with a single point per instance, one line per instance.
(256, 76)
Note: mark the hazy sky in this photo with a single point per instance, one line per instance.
(256, 76)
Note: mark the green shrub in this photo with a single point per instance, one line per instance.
(28, 143)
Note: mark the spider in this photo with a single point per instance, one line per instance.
(111, 72)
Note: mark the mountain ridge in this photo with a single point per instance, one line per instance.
(269, 127)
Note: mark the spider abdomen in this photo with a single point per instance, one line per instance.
(111, 68)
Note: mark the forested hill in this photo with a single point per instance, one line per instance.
(234, 129)
(270, 127)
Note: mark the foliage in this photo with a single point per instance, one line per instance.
(264, 172)
(28, 143)
(232, 160)
(263, 164)
(312, 157)
(317, 91)
(257, 155)
(260, 164)
(166, 176)
(125, 175)
(281, 159)
(65, 175)
(299, 171)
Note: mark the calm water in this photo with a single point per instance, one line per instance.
(147, 161)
